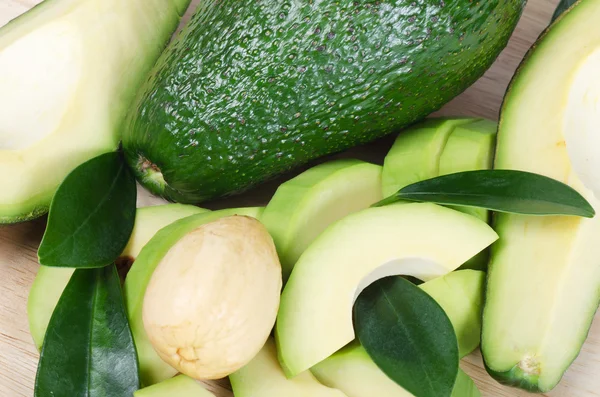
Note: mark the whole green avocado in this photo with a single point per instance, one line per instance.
(253, 88)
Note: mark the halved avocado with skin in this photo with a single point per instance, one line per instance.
(418, 239)
(50, 282)
(544, 277)
(69, 70)
(152, 368)
(305, 205)
(263, 377)
(178, 386)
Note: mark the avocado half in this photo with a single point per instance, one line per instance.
(252, 89)
(50, 282)
(544, 274)
(69, 71)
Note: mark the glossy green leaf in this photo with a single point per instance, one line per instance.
(88, 350)
(563, 6)
(91, 216)
(409, 336)
(498, 190)
(464, 386)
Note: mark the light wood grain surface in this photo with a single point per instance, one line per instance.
(18, 244)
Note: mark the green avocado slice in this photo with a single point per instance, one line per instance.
(422, 240)
(264, 377)
(442, 146)
(352, 371)
(178, 386)
(69, 72)
(544, 275)
(305, 205)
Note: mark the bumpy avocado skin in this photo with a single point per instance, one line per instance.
(254, 88)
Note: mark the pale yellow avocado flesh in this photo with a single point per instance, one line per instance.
(352, 371)
(179, 386)
(422, 240)
(68, 73)
(152, 368)
(263, 377)
(50, 282)
(544, 277)
(304, 206)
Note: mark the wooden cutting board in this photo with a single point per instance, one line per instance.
(18, 244)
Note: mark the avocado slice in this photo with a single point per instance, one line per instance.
(305, 205)
(460, 294)
(418, 239)
(415, 155)
(180, 386)
(544, 277)
(264, 377)
(352, 371)
(50, 282)
(291, 83)
(69, 72)
(439, 147)
(152, 368)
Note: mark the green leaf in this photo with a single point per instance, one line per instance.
(465, 387)
(91, 215)
(88, 349)
(409, 336)
(498, 190)
(563, 6)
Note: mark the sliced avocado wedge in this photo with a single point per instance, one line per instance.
(263, 377)
(422, 240)
(305, 205)
(460, 294)
(415, 155)
(352, 371)
(470, 147)
(544, 277)
(152, 368)
(69, 70)
(439, 147)
(50, 282)
(179, 386)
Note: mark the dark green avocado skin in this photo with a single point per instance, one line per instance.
(253, 88)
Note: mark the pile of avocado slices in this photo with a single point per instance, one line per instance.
(304, 216)
(251, 90)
